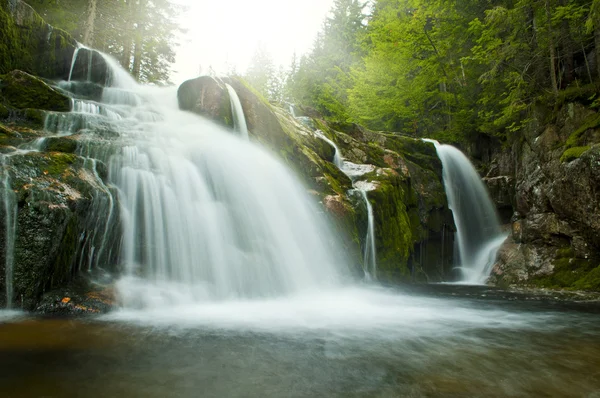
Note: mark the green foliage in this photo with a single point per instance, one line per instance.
(450, 69)
(322, 79)
(140, 33)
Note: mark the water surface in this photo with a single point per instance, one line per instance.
(444, 341)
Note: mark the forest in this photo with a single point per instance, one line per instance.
(445, 69)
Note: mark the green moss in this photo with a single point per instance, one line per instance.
(393, 233)
(573, 153)
(591, 281)
(61, 144)
(4, 112)
(570, 273)
(590, 123)
(22, 90)
(57, 163)
(29, 46)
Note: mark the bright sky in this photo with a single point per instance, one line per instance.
(222, 33)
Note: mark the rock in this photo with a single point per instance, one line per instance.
(55, 197)
(30, 44)
(207, 97)
(22, 90)
(80, 297)
(556, 183)
(90, 66)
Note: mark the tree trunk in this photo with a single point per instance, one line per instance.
(138, 40)
(552, 51)
(125, 59)
(88, 34)
(567, 44)
(597, 46)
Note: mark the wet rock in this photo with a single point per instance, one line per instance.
(90, 66)
(30, 44)
(55, 199)
(208, 97)
(22, 90)
(80, 298)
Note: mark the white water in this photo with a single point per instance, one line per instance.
(479, 236)
(9, 212)
(206, 215)
(354, 171)
(239, 120)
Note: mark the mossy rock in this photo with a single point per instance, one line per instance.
(60, 144)
(393, 233)
(208, 97)
(11, 136)
(573, 153)
(22, 90)
(574, 140)
(570, 273)
(30, 44)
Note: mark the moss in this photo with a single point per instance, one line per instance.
(59, 162)
(61, 144)
(22, 90)
(4, 112)
(393, 233)
(591, 281)
(570, 273)
(590, 123)
(29, 46)
(573, 153)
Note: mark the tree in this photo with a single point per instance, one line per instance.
(139, 33)
(261, 72)
(323, 77)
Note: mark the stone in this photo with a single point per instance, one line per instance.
(22, 90)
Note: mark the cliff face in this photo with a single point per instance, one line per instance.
(30, 44)
(550, 179)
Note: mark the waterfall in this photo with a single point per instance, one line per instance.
(74, 59)
(479, 236)
(205, 215)
(239, 120)
(9, 210)
(353, 171)
(370, 255)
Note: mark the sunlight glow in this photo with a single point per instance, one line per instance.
(225, 34)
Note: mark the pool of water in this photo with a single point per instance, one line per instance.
(437, 341)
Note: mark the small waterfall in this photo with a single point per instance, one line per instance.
(353, 171)
(370, 255)
(9, 210)
(239, 120)
(74, 59)
(292, 110)
(337, 157)
(479, 235)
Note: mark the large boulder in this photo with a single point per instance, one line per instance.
(51, 200)
(208, 97)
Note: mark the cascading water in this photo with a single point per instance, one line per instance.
(239, 121)
(205, 215)
(479, 235)
(353, 171)
(9, 212)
